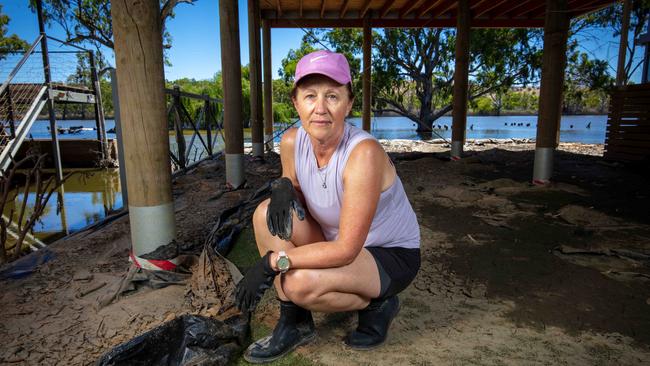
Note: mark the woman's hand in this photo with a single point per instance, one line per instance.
(284, 199)
(257, 280)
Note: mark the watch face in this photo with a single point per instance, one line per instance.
(283, 263)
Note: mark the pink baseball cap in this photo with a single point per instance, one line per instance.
(333, 65)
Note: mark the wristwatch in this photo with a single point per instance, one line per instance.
(283, 263)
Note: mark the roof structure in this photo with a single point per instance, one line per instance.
(413, 13)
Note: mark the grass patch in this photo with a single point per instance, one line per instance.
(244, 252)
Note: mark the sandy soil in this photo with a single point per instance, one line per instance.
(511, 274)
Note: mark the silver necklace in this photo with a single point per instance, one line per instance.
(323, 178)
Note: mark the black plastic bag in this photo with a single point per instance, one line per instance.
(186, 340)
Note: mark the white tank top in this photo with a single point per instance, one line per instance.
(394, 223)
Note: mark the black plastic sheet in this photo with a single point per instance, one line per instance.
(186, 340)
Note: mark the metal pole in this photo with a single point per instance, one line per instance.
(99, 110)
(61, 202)
(56, 151)
(120, 140)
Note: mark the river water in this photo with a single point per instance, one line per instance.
(572, 128)
(90, 195)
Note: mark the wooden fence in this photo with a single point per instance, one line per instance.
(628, 124)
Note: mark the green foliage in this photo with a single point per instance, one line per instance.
(482, 106)
(88, 22)
(210, 87)
(284, 113)
(585, 79)
(9, 43)
(282, 91)
(522, 101)
(610, 19)
(420, 62)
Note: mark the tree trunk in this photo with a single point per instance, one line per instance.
(426, 96)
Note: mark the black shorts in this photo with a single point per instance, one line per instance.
(397, 268)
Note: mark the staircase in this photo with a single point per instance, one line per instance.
(17, 115)
(22, 102)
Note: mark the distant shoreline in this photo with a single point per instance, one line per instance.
(504, 114)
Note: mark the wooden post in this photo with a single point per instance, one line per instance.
(556, 30)
(622, 46)
(119, 137)
(208, 122)
(232, 104)
(268, 85)
(140, 81)
(181, 146)
(459, 111)
(367, 71)
(257, 124)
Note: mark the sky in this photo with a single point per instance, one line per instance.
(196, 50)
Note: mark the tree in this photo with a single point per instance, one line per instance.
(583, 77)
(610, 18)
(413, 68)
(342, 40)
(11, 43)
(89, 21)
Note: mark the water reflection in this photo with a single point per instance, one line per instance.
(85, 198)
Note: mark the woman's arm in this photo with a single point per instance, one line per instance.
(367, 172)
(287, 157)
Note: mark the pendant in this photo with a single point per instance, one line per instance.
(324, 185)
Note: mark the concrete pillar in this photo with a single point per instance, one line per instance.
(257, 124)
(232, 104)
(622, 46)
(459, 111)
(140, 81)
(556, 30)
(268, 84)
(367, 71)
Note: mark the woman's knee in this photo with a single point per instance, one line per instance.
(301, 286)
(259, 216)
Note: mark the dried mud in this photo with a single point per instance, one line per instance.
(511, 273)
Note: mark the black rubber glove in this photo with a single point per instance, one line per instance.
(256, 281)
(284, 199)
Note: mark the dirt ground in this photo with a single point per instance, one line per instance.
(511, 273)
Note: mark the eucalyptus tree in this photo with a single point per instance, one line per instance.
(89, 21)
(591, 26)
(412, 70)
(9, 43)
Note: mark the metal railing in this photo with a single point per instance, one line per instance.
(203, 121)
(17, 98)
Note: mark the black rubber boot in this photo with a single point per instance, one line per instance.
(295, 328)
(374, 322)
